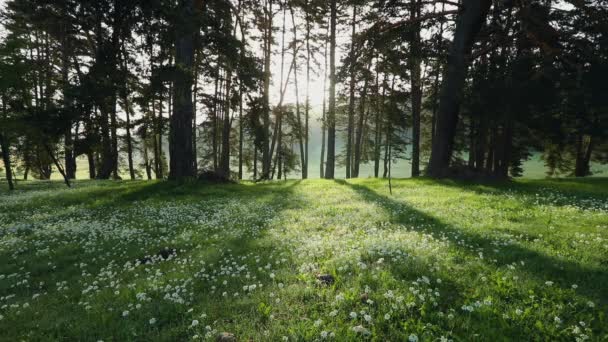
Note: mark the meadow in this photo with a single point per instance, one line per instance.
(305, 261)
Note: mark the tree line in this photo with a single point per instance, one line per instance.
(461, 88)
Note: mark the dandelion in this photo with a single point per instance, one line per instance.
(367, 318)
(549, 283)
(152, 321)
(387, 317)
(125, 313)
(518, 311)
(557, 320)
(194, 323)
(353, 315)
(413, 338)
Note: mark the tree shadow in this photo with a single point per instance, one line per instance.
(107, 198)
(591, 281)
(586, 193)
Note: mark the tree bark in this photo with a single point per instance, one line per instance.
(6, 158)
(297, 93)
(331, 114)
(416, 84)
(180, 143)
(359, 135)
(468, 25)
(351, 104)
(266, 156)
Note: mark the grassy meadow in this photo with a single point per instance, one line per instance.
(305, 261)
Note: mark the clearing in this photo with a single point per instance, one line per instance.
(157, 261)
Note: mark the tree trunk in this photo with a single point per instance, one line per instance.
(57, 164)
(331, 114)
(297, 93)
(307, 110)
(416, 84)
(6, 158)
(266, 156)
(351, 104)
(584, 149)
(324, 116)
(180, 143)
(468, 24)
(226, 128)
(241, 133)
(214, 119)
(359, 135)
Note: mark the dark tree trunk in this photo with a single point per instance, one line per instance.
(180, 143)
(129, 139)
(57, 165)
(584, 149)
(70, 158)
(266, 155)
(351, 104)
(6, 159)
(359, 135)
(416, 84)
(301, 133)
(468, 25)
(324, 116)
(307, 110)
(91, 159)
(331, 115)
(241, 133)
(226, 128)
(214, 119)
(194, 114)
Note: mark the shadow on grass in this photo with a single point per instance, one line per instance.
(588, 192)
(542, 267)
(75, 322)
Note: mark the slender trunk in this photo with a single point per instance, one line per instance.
(324, 117)
(389, 129)
(351, 104)
(416, 84)
(359, 135)
(266, 156)
(295, 82)
(331, 115)
(6, 158)
(127, 107)
(129, 139)
(241, 132)
(214, 119)
(468, 24)
(57, 164)
(307, 110)
(70, 162)
(226, 128)
(195, 111)
(155, 146)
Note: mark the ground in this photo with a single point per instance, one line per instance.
(305, 260)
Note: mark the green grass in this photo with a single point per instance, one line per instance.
(518, 261)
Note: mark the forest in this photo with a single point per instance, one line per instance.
(173, 89)
(303, 170)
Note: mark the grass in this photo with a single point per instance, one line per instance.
(445, 260)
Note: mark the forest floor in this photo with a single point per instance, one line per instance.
(305, 261)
